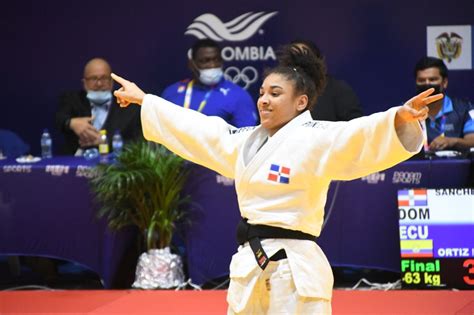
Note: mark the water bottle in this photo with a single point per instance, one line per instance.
(46, 145)
(103, 147)
(103, 143)
(117, 143)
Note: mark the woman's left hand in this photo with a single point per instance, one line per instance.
(416, 108)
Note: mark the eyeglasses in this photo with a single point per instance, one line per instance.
(96, 80)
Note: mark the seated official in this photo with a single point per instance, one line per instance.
(81, 114)
(450, 123)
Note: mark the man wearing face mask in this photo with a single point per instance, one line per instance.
(82, 114)
(450, 123)
(209, 92)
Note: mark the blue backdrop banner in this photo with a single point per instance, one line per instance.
(373, 45)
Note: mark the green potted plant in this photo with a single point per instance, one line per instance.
(143, 188)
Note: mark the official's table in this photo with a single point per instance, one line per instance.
(46, 209)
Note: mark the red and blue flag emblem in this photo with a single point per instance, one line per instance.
(412, 197)
(279, 174)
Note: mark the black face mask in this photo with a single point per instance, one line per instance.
(424, 87)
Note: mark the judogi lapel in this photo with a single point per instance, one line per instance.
(252, 156)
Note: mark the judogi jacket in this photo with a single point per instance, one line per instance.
(285, 182)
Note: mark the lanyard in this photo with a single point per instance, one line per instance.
(426, 147)
(187, 97)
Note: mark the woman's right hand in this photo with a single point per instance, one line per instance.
(128, 93)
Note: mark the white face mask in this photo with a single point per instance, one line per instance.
(99, 97)
(210, 76)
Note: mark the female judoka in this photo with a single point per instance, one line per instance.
(282, 170)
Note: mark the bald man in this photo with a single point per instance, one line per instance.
(81, 114)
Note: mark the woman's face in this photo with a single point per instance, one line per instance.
(277, 103)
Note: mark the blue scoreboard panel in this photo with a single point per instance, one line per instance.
(437, 238)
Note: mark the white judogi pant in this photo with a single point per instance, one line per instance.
(274, 292)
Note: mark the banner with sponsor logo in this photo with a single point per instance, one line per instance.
(437, 237)
(247, 44)
(371, 46)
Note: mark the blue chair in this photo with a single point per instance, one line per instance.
(11, 145)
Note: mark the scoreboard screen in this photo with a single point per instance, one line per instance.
(437, 238)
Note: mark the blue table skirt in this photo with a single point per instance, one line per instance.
(46, 209)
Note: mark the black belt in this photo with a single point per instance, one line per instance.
(279, 255)
(253, 233)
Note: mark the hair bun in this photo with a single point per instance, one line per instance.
(303, 60)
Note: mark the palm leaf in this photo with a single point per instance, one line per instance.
(143, 188)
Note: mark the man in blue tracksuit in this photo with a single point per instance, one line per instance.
(209, 92)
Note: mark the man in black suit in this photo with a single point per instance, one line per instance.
(81, 114)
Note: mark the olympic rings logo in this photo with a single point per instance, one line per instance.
(244, 78)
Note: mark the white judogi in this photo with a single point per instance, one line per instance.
(312, 152)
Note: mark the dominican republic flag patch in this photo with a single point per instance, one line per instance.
(279, 174)
(412, 197)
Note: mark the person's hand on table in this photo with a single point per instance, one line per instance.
(83, 128)
(441, 142)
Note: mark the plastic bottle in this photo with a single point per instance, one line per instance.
(103, 143)
(117, 143)
(46, 145)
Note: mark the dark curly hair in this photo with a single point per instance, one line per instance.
(304, 69)
(431, 62)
